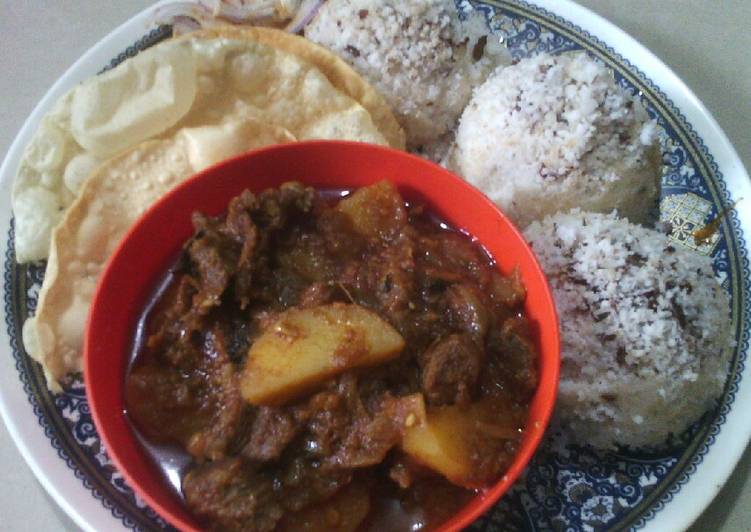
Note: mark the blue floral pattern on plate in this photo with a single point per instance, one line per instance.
(566, 487)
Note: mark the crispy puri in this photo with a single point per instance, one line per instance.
(115, 195)
(195, 80)
(338, 72)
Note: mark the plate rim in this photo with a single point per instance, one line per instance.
(45, 462)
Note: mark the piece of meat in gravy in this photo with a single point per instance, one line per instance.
(450, 368)
(240, 228)
(215, 260)
(271, 432)
(388, 277)
(224, 252)
(203, 405)
(517, 355)
(371, 437)
(317, 294)
(224, 402)
(212, 489)
(232, 495)
(467, 311)
(346, 432)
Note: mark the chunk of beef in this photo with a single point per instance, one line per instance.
(317, 294)
(371, 437)
(344, 512)
(345, 434)
(516, 360)
(305, 481)
(240, 228)
(174, 325)
(272, 431)
(173, 305)
(328, 416)
(387, 279)
(238, 224)
(222, 403)
(450, 257)
(467, 310)
(507, 291)
(215, 261)
(224, 249)
(304, 259)
(450, 369)
(275, 207)
(231, 496)
(204, 405)
(155, 393)
(223, 252)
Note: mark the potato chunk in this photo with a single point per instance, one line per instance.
(452, 441)
(439, 444)
(304, 347)
(376, 211)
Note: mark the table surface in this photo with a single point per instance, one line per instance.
(706, 43)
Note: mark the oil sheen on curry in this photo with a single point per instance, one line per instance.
(327, 361)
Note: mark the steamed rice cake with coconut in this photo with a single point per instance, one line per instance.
(645, 329)
(551, 133)
(421, 57)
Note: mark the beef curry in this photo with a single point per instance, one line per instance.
(332, 361)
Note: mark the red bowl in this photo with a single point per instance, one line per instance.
(152, 243)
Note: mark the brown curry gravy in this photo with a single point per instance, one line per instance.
(457, 261)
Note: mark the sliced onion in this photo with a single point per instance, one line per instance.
(241, 11)
(194, 10)
(186, 16)
(304, 15)
(182, 24)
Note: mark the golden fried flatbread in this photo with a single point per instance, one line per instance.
(199, 79)
(339, 73)
(111, 200)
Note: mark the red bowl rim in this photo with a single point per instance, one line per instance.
(546, 392)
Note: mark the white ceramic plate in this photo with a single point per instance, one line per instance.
(566, 487)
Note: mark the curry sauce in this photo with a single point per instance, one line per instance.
(398, 358)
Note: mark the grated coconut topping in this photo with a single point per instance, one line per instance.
(555, 132)
(418, 54)
(645, 328)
